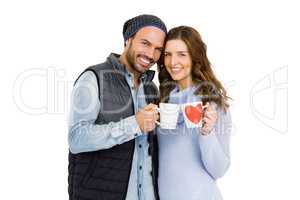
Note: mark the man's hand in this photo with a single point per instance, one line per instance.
(147, 117)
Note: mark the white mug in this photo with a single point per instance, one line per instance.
(168, 115)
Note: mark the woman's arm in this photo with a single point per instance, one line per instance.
(215, 145)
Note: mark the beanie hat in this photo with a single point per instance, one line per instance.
(133, 25)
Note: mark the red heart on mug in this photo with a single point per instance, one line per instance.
(194, 113)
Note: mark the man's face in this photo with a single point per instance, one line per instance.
(145, 48)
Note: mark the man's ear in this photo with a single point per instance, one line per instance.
(127, 42)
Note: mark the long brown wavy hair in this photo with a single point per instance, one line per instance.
(208, 86)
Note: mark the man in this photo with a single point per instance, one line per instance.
(113, 150)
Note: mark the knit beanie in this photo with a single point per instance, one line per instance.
(133, 25)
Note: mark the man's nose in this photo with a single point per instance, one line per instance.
(151, 54)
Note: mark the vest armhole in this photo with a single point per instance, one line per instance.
(97, 80)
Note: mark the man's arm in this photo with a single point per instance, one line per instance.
(84, 134)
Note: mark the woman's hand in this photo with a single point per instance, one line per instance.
(210, 117)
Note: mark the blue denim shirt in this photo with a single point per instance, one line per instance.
(85, 135)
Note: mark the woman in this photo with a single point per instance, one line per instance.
(192, 159)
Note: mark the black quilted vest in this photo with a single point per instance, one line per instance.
(104, 174)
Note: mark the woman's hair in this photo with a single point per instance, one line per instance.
(208, 86)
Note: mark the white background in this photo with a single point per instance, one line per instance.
(44, 45)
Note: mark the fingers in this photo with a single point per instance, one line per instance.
(207, 125)
(149, 125)
(206, 105)
(153, 114)
(209, 107)
(213, 115)
(151, 110)
(207, 120)
(210, 117)
(210, 111)
(147, 117)
(150, 107)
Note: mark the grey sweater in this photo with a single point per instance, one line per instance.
(190, 163)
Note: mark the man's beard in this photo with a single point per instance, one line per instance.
(130, 59)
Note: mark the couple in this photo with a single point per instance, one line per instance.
(116, 150)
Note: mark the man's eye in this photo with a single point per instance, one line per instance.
(145, 43)
(160, 50)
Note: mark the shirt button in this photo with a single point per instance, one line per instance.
(140, 167)
(140, 185)
(140, 145)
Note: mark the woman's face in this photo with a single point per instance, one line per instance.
(178, 62)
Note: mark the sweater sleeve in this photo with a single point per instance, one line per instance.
(215, 146)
